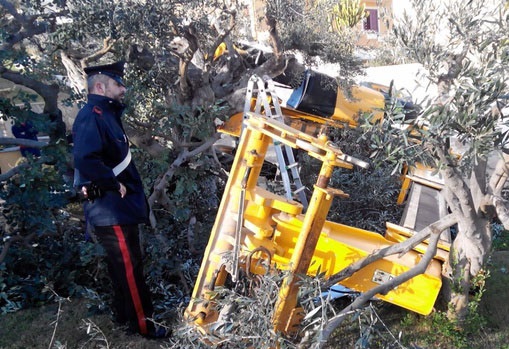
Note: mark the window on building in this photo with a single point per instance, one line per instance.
(371, 22)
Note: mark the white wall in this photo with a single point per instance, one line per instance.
(412, 77)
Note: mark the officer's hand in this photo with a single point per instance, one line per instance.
(122, 190)
(84, 192)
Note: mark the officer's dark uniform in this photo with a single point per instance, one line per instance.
(100, 144)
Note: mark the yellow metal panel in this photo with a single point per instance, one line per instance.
(340, 245)
(8, 158)
(364, 100)
(250, 155)
(346, 110)
(233, 126)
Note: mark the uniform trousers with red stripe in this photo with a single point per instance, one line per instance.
(132, 301)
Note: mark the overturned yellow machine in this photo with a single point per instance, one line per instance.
(254, 225)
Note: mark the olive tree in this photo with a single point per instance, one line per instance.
(467, 59)
(25, 62)
(461, 132)
(179, 85)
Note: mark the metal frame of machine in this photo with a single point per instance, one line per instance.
(254, 225)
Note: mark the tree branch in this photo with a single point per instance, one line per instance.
(107, 46)
(22, 141)
(382, 289)
(502, 210)
(159, 193)
(49, 92)
(275, 41)
(12, 172)
(499, 176)
(74, 73)
(457, 193)
(478, 184)
(401, 248)
(222, 35)
(32, 25)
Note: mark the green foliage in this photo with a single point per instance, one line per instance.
(21, 193)
(435, 329)
(371, 203)
(469, 68)
(142, 33)
(463, 46)
(397, 139)
(146, 29)
(172, 250)
(33, 197)
(10, 108)
(438, 328)
(63, 264)
(500, 237)
(307, 28)
(194, 190)
(373, 191)
(181, 126)
(476, 322)
(442, 328)
(388, 53)
(246, 313)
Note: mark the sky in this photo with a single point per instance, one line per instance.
(398, 6)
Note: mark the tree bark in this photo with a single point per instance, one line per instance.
(75, 74)
(473, 240)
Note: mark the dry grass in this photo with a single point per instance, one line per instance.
(33, 328)
(393, 328)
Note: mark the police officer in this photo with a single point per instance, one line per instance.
(116, 202)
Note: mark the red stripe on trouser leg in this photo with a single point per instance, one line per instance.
(131, 281)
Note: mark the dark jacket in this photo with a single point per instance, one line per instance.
(27, 131)
(100, 144)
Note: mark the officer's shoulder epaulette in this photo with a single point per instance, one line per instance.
(97, 110)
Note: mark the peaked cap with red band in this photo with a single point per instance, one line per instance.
(114, 71)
